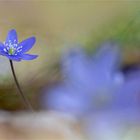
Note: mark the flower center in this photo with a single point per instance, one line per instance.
(11, 51)
(12, 48)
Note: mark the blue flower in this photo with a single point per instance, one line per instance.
(17, 51)
(94, 83)
(66, 98)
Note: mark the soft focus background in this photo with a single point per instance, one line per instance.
(59, 25)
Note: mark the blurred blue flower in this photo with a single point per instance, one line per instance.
(94, 83)
(16, 51)
(66, 98)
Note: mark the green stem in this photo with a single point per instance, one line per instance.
(23, 97)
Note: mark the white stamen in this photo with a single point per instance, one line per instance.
(19, 47)
(19, 50)
(5, 50)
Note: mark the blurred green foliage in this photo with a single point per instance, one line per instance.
(124, 30)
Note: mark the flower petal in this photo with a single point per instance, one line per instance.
(28, 56)
(105, 64)
(128, 95)
(1, 46)
(27, 44)
(108, 57)
(76, 67)
(66, 99)
(12, 37)
(2, 52)
(15, 58)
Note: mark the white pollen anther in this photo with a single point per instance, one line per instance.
(5, 50)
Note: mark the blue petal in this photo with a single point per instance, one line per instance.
(2, 52)
(27, 44)
(76, 67)
(12, 36)
(128, 95)
(28, 56)
(105, 63)
(12, 57)
(108, 57)
(1, 46)
(66, 99)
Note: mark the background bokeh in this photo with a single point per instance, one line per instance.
(58, 25)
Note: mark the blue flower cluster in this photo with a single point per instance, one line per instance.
(94, 83)
(16, 51)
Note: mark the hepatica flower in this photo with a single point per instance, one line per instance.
(16, 51)
(94, 83)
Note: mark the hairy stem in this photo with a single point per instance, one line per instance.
(23, 97)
